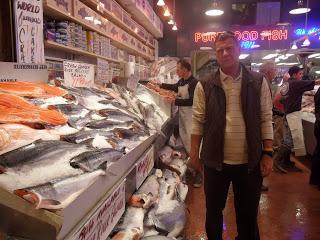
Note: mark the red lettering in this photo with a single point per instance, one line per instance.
(254, 35)
(238, 35)
(245, 36)
(283, 34)
(275, 35)
(197, 36)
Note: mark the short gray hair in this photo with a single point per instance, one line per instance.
(267, 66)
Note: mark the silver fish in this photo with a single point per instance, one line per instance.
(84, 135)
(93, 160)
(57, 194)
(33, 152)
(108, 124)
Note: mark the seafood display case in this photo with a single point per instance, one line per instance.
(69, 221)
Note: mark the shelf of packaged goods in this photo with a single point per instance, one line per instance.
(78, 51)
(105, 13)
(140, 17)
(59, 15)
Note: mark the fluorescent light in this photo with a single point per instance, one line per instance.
(317, 72)
(171, 22)
(88, 18)
(314, 55)
(174, 28)
(243, 56)
(256, 46)
(205, 48)
(277, 60)
(214, 12)
(256, 64)
(300, 10)
(287, 64)
(269, 56)
(160, 3)
(166, 12)
(306, 42)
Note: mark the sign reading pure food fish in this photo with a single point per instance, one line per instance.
(29, 31)
(78, 74)
(100, 225)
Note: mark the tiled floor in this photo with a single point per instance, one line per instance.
(290, 210)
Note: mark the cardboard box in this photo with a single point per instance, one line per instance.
(62, 5)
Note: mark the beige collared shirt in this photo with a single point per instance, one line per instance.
(235, 145)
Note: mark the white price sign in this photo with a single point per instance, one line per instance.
(144, 166)
(15, 72)
(100, 225)
(103, 75)
(78, 74)
(132, 83)
(29, 31)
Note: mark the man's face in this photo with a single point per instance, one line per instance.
(272, 73)
(299, 75)
(227, 53)
(180, 71)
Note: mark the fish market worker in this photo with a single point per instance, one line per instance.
(185, 89)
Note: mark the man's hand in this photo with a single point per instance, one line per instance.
(194, 162)
(266, 165)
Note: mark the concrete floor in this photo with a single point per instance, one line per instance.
(290, 210)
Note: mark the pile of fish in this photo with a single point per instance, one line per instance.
(156, 210)
(56, 140)
(162, 92)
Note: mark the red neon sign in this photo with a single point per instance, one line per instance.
(269, 35)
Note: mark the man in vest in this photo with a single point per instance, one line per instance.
(232, 115)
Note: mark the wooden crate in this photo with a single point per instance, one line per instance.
(61, 5)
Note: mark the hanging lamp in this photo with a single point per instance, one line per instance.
(301, 8)
(166, 12)
(215, 10)
(160, 3)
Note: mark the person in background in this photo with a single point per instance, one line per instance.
(269, 71)
(315, 169)
(292, 92)
(185, 89)
(232, 116)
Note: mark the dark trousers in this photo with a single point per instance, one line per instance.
(246, 188)
(315, 170)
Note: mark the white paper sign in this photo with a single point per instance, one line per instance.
(13, 72)
(29, 31)
(100, 225)
(144, 166)
(103, 74)
(78, 74)
(132, 83)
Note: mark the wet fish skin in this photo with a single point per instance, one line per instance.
(58, 193)
(32, 152)
(105, 123)
(84, 135)
(68, 109)
(93, 160)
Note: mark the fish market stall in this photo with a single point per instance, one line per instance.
(69, 150)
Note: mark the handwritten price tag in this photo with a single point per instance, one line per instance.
(78, 74)
(100, 225)
(144, 166)
(132, 83)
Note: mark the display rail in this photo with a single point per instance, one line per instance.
(53, 45)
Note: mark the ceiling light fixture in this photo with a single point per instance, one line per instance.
(269, 56)
(166, 12)
(175, 28)
(306, 42)
(294, 46)
(205, 48)
(171, 22)
(243, 56)
(315, 55)
(301, 9)
(160, 3)
(215, 10)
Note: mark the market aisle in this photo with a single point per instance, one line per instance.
(290, 210)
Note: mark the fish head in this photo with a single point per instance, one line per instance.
(28, 195)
